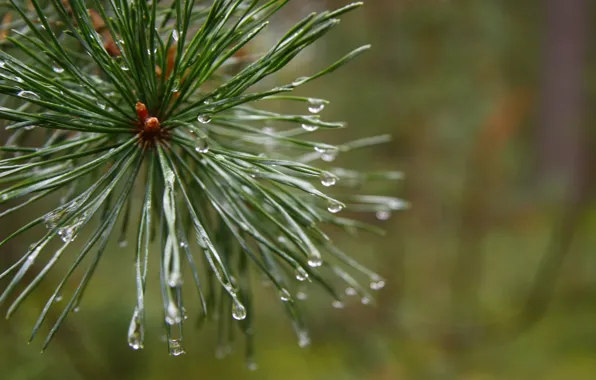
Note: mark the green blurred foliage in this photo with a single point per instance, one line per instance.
(458, 85)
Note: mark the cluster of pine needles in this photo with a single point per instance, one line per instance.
(147, 122)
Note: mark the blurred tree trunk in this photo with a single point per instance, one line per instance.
(560, 147)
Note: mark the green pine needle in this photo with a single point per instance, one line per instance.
(133, 97)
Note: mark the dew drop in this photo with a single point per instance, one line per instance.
(101, 105)
(299, 81)
(377, 285)
(70, 232)
(328, 179)
(28, 95)
(383, 214)
(201, 144)
(58, 298)
(310, 128)
(173, 314)
(176, 86)
(30, 127)
(122, 243)
(175, 279)
(2, 64)
(175, 347)
(135, 331)
(303, 339)
(329, 156)
(124, 68)
(175, 35)
(337, 304)
(204, 119)
(301, 274)
(252, 365)
(316, 105)
(350, 291)
(315, 261)
(365, 300)
(301, 296)
(76, 309)
(183, 244)
(285, 295)
(397, 204)
(58, 69)
(238, 310)
(334, 207)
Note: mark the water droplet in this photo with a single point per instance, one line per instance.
(301, 274)
(302, 296)
(122, 243)
(285, 295)
(175, 35)
(303, 339)
(176, 348)
(173, 314)
(334, 207)
(202, 144)
(315, 261)
(328, 153)
(124, 68)
(58, 69)
(2, 64)
(204, 119)
(238, 310)
(183, 244)
(329, 157)
(310, 128)
(70, 232)
(365, 300)
(28, 95)
(398, 204)
(316, 105)
(175, 279)
(135, 331)
(383, 214)
(350, 291)
(377, 285)
(76, 309)
(328, 179)
(58, 298)
(176, 86)
(101, 105)
(252, 365)
(337, 304)
(299, 81)
(30, 127)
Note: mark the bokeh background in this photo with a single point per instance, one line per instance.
(490, 275)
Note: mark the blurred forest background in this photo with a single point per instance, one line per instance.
(491, 273)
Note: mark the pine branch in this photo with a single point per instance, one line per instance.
(136, 96)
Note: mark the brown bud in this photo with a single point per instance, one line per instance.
(142, 111)
(152, 125)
